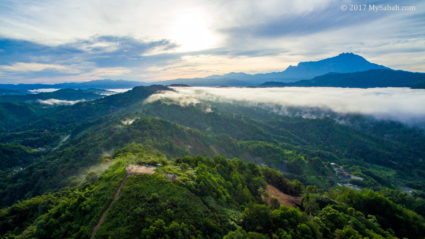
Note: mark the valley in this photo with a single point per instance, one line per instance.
(319, 163)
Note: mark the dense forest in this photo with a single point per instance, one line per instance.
(220, 170)
(209, 198)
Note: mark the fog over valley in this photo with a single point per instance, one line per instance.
(400, 104)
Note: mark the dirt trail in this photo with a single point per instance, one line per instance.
(105, 213)
(130, 170)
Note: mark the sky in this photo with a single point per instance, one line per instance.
(49, 41)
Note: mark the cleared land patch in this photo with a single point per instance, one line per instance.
(283, 198)
(137, 169)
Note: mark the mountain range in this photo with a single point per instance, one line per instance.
(343, 70)
(363, 79)
(343, 63)
(94, 84)
(62, 94)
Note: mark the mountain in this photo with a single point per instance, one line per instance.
(343, 63)
(101, 84)
(230, 79)
(420, 85)
(9, 92)
(365, 79)
(95, 84)
(62, 94)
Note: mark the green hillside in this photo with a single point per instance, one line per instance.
(210, 198)
(62, 167)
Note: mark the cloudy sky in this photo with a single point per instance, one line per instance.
(56, 40)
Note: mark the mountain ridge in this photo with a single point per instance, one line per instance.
(299, 75)
(364, 79)
(342, 63)
(98, 84)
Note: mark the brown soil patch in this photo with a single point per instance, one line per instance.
(136, 169)
(283, 198)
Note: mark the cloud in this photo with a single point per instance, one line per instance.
(33, 67)
(159, 40)
(94, 58)
(401, 104)
(292, 19)
(103, 51)
(115, 91)
(58, 102)
(36, 91)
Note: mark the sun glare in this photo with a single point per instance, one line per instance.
(191, 32)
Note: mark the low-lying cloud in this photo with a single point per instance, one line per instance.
(43, 90)
(400, 104)
(109, 92)
(58, 102)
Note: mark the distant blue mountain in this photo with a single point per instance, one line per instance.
(364, 79)
(62, 94)
(95, 84)
(343, 63)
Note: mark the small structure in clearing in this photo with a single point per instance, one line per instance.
(137, 169)
(283, 198)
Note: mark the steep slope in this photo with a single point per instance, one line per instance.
(207, 198)
(16, 115)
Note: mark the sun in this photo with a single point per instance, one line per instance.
(191, 32)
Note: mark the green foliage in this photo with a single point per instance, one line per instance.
(13, 155)
(211, 198)
(21, 215)
(404, 222)
(225, 196)
(277, 179)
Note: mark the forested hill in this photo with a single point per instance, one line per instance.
(26, 116)
(198, 197)
(62, 166)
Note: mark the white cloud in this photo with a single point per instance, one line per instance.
(35, 67)
(108, 71)
(58, 102)
(402, 104)
(322, 30)
(44, 90)
(109, 92)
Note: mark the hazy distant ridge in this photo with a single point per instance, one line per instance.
(343, 63)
